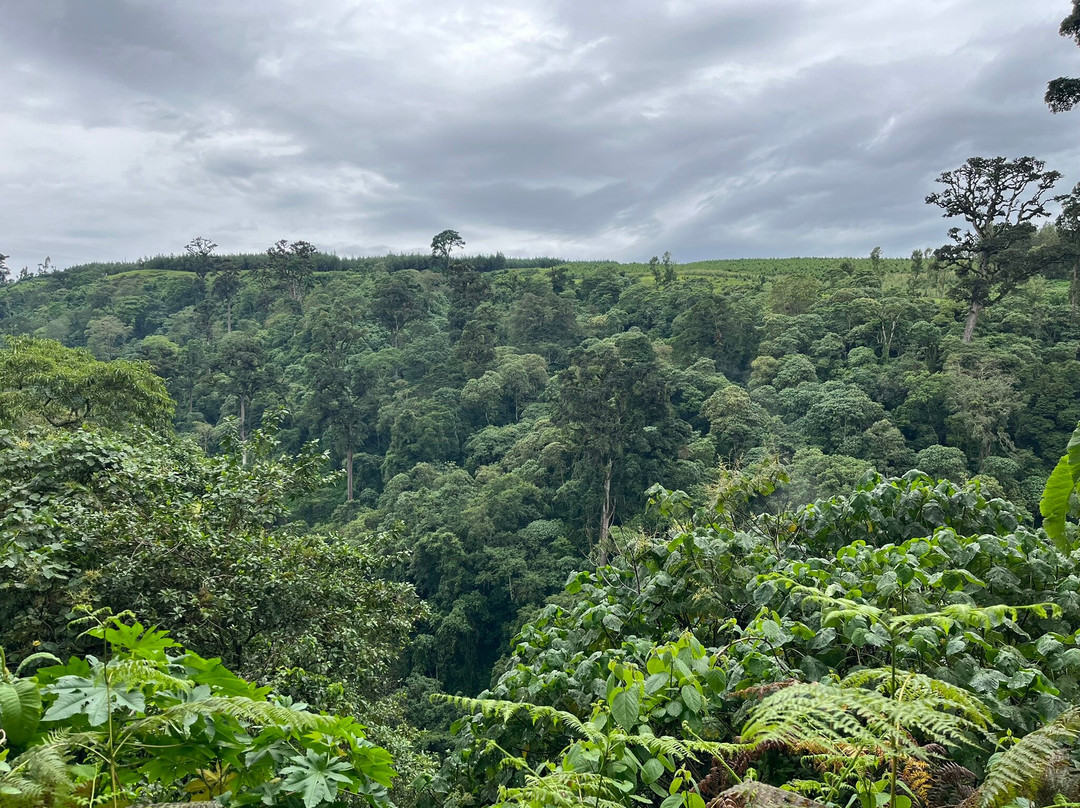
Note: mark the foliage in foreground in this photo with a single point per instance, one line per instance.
(864, 648)
(149, 720)
(198, 544)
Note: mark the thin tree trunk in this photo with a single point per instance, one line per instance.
(1074, 289)
(243, 419)
(972, 318)
(349, 474)
(606, 516)
(228, 316)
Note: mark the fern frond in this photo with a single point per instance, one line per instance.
(562, 789)
(919, 687)
(39, 776)
(138, 673)
(37, 658)
(1019, 771)
(248, 711)
(507, 710)
(827, 719)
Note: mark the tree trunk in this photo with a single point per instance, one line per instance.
(972, 318)
(228, 316)
(606, 516)
(1074, 289)
(243, 419)
(349, 475)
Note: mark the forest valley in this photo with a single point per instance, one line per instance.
(291, 529)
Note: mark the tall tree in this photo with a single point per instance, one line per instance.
(200, 250)
(609, 396)
(226, 285)
(292, 266)
(337, 383)
(443, 244)
(999, 199)
(105, 336)
(1062, 94)
(1067, 248)
(397, 300)
(240, 358)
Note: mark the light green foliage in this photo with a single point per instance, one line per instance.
(43, 382)
(1061, 486)
(150, 719)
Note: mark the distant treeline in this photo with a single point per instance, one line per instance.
(324, 262)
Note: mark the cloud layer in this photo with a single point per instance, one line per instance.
(599, 129)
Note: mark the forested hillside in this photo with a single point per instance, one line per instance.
(495, 422)
(800, 490)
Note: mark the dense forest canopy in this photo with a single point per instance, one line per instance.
(467, 432)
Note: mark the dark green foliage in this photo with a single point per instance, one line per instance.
(940, 611)
(510, 391)
(195, 543)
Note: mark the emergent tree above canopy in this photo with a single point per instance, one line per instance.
(1000, 199)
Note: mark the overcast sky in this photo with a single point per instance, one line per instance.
(580, 128)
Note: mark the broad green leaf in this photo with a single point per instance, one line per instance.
(1054, 505)
(77, 694)
(20, 710)
(651, 771)
(656, 683)
(625, 707)
(691, 698)
(315, 777)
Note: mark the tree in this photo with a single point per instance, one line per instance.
(397, 300)
(654, 268)
(467, 290)
(839, 414)
(226, 285)
(916, 271)
(1062, 94)
(612, 397)
(105, 336)
(292, 266)
(200, 251)
(875, 259)
(337, 382)
(669, 268)
(241, 359)
(5, 273)
(42, 381)
(999, 198)
(197, 545)
(443, 243)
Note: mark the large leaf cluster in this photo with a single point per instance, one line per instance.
(150, 720)
(906, 574)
